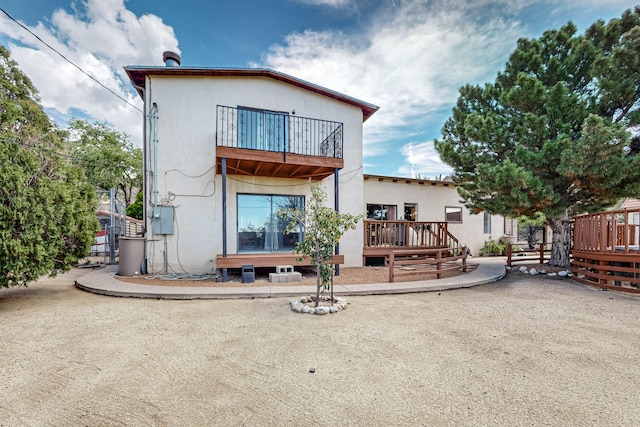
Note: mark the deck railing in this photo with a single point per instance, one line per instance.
(278, 132)
(608, 231)
(407, 234)
(606, 251)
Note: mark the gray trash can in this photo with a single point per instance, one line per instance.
(131, 255)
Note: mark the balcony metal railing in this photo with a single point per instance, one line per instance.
(279, 132)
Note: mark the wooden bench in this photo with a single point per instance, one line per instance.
(266, 260)
(442, 258)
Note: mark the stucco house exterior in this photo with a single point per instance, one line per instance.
(423, 200)
(224, 148)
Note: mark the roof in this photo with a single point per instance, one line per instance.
(630, 203)
(137, 75)
(419, 181)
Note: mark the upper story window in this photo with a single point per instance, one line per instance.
(453, 214)
(262, 129)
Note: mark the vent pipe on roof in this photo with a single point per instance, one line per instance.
(171, 59)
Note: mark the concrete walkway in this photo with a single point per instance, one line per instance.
(104, 282)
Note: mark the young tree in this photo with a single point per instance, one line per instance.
(109, 159)
(557, 132)
(47, 207)
(530, 226)
(323, 227)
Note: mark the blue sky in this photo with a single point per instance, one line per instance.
(409, 57)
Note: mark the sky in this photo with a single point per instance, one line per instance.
(409, 57)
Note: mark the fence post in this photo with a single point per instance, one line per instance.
(391, 262)
(464, 259)
(509, 254)
(541, 253)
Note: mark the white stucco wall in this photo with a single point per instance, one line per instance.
(431, 201)
(185, 159)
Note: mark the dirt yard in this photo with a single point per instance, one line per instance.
(522, 351)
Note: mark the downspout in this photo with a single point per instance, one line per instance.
(154, 116)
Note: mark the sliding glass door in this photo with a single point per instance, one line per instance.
(259, 227)
(262, 130)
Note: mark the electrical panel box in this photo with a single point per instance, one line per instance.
(163, 220)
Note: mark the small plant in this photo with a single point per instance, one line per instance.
(323, 228)
(492, 248)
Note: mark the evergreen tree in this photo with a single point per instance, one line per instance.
(47, 207)
(557, 132)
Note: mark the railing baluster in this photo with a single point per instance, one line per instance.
(270, 131)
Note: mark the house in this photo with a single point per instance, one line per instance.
(432, 202)
(225, 148)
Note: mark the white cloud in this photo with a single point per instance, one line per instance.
(101, 37)
(410, 61)
(423, 160)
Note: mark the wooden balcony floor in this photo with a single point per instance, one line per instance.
(275, 164)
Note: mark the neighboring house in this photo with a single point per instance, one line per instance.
(116, 224)
(225, 148)
(423, 200)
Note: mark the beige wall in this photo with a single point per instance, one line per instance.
(431, 198)
(185, 154)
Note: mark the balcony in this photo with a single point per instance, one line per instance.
(275, 144)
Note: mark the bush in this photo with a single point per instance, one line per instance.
(492, 248)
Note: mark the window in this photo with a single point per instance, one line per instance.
(487, 223)
(453, 214)
(410, 211)
(260, 229)
(384, 212)
(262, 130)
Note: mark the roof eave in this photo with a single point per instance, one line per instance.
(137, 76)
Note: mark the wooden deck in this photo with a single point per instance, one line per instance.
(383, 237)
(605, 251)
(266, 260)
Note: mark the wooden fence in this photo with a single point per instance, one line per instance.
(538, 255)
(420, 262)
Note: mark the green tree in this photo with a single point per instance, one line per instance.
(554, 132)
(323, 227)
(530, 225)
(47, 207)
(134, 210)
(109, 159)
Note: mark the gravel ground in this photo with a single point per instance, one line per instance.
(524, 351)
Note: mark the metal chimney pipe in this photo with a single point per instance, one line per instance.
(171, 59)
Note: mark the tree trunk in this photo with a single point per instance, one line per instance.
(561, 241)
(318, 275)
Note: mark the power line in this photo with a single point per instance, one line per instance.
(69, 61)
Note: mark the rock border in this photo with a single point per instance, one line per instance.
(300, 305)
(533, 271)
